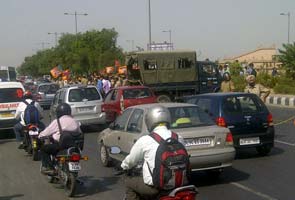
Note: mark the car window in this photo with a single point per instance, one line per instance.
(121, 121)
(79, 94)
(231, 105)
(186, 117)
(205, 104)
(114, 95)
(108, 96)
(48, 89)
(11, 95)
(136, 93)
(55, 100)
(135, 122)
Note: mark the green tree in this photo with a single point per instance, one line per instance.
(287, 57)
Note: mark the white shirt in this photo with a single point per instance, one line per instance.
(146, 148)
(20, 111)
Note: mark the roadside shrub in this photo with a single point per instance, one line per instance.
(267, 80)
(239, 83)
(285, 85)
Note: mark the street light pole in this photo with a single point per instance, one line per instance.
(150, 26)
(170, 41)
(287, 14)
(76, 21)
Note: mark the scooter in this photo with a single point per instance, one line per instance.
(188, 192)
(66, 166)
(31, 141)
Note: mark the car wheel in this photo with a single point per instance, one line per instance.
(163, 98)
(214, 173)
(263, 150)
(104, 156)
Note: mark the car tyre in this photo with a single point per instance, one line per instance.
(263, 150)
(104, 156)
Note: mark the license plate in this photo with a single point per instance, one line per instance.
(74, 166)
(33, 133)
(7, 115)
(206, 141)
(84, 109)
(249, 141)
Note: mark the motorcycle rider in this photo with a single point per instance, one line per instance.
(158, 120)
(68, 123)
(19, 114)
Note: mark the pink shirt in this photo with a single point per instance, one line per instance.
(67, 123)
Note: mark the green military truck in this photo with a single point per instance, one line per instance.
(172, 74)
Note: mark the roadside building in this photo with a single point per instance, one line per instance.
(263, 59)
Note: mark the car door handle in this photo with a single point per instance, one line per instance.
(119, 138)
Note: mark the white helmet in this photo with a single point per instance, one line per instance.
(157, 115)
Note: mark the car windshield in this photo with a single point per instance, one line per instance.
(186, 117)
(80, 94)
(48, 89)
(136, 93)
(11, 95)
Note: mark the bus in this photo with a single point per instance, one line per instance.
(7, 73)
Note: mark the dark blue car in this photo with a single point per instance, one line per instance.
(247, 117)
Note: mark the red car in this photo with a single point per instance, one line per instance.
(120, 98)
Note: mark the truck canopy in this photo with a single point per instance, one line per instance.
(160, 67)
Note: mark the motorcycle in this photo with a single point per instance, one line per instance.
(66, 166)
(188, 192)
(31, 141)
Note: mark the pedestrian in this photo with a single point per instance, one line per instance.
(252, 70)
(255, 88)
(227, 84)
(106, 84)
(274, 72)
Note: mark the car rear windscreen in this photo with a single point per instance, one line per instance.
(80, 94)
(48, 89)
(8, 95)
(136, 93)
(239, 104)
(186, 117)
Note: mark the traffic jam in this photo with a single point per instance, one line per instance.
(156, 136)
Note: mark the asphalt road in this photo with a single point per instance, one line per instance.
(250, 178)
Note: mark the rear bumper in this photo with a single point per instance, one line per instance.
(91, 119)
(212, 159)
(266, 138)
(45, 102)
(7, 123)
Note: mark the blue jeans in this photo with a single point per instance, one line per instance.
(18, 131)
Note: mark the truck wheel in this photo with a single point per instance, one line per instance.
(163, 98)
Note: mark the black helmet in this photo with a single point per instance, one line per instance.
(63, 109)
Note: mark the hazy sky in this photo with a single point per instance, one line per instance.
(214, 28)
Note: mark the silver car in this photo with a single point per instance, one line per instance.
(210, 147)
(44, 93)
(85, 102)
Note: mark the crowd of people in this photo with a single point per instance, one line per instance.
(250, 74)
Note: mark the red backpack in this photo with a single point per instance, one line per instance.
(171, 163)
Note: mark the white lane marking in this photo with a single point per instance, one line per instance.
(265, 196)
(287, 143)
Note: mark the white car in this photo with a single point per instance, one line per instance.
(11, 94)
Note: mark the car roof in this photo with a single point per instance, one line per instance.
(41, 84)
(221, 94)
(78, 86)
(11, 85)
(167, 105)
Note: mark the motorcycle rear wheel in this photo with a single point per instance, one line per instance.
(70, 185)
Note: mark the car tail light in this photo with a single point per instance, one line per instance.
(229, 139)
(75, 157)
(19, 93)
(184, 195)
(220, 121)
(270, 119)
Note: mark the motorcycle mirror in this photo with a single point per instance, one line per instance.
(115, 150)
